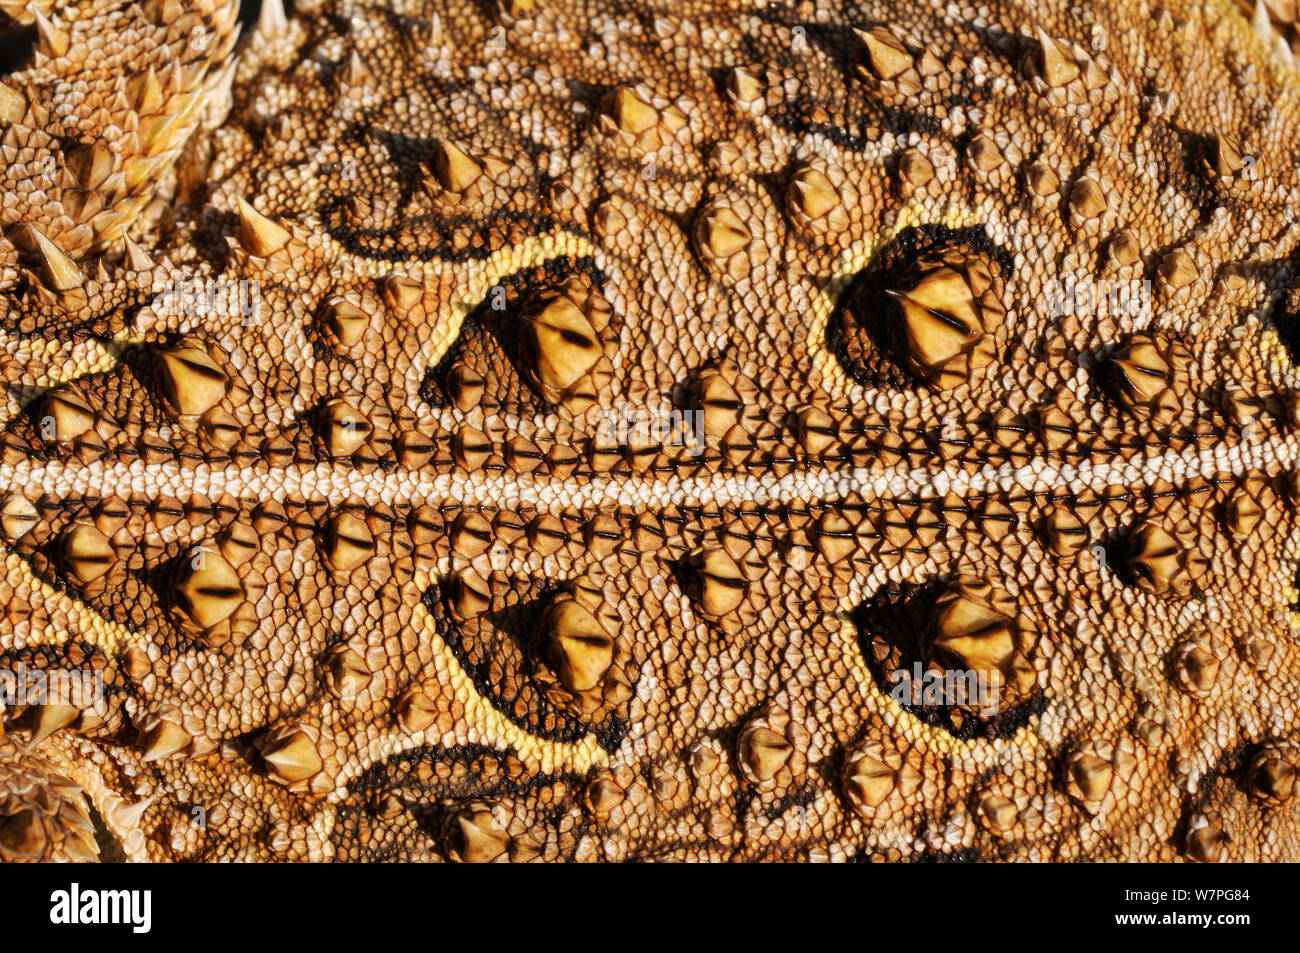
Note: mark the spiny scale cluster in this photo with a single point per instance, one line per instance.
(549, 432)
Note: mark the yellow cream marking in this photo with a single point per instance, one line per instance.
(496, 729)
(111, 637)
(60, 362)
(480, 278)
(903, 724)
(854, 259)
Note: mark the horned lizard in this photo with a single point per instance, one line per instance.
(690, 430)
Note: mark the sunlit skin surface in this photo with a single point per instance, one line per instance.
(545, 431)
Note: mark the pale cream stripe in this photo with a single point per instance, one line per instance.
(342, 484)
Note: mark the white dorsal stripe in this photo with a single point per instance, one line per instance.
(340, 484)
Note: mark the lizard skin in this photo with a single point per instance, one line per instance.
(316, 343)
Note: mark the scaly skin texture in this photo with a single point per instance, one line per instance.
(976, 322)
